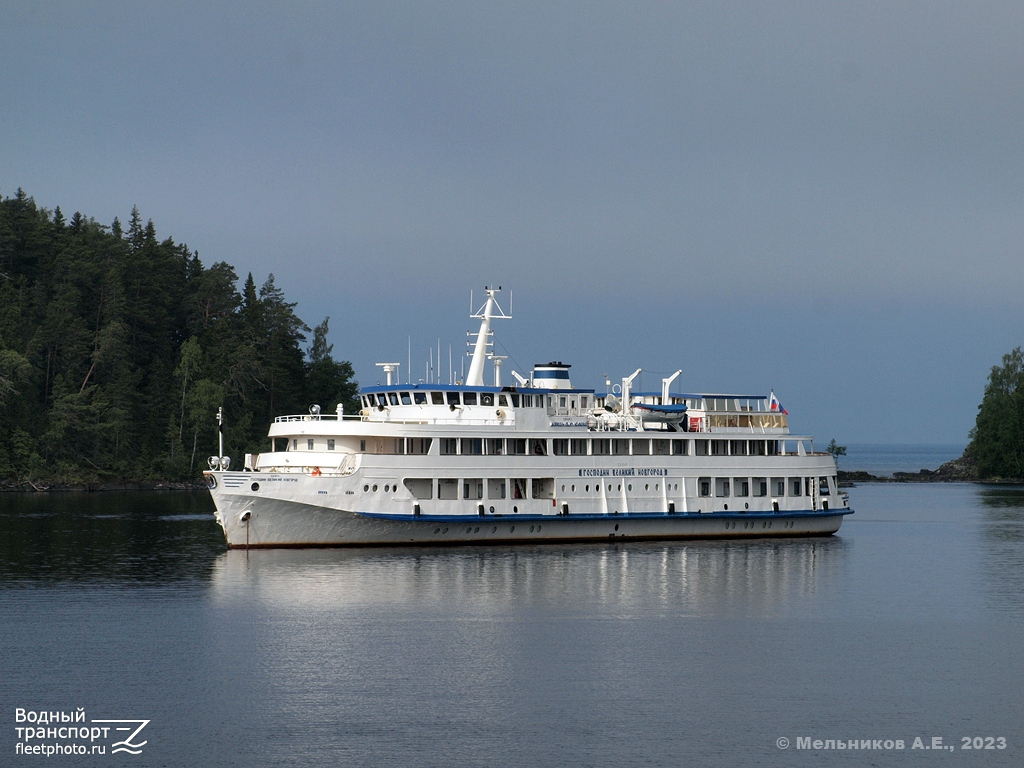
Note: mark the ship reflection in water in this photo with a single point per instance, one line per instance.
(758, 577)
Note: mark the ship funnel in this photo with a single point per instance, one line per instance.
(551, 376)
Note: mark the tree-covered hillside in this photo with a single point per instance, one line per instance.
(117, 348)
(997, 440)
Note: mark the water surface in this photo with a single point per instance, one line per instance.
(908, 623)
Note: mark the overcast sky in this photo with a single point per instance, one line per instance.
(820, 198)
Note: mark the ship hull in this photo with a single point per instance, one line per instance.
(257, 522)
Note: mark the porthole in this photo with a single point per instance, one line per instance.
(616, 526)
(492, 510)
(476, 530)
(512, 529)
(494, 528)
(619, 488)
(572, 488)
(588, 489)
(366, 488)
(255, 486)
(538, 529)
(437, 530)
(469, 530)
(726, 507)
(387, 488)
(647, 487)
(375, 488)
(656, 486)
(629, 487)
(609, 486)
(445, 531)
(746, 506)
(563, 489)
(515, 509)
(531, 529)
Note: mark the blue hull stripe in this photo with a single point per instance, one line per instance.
(628, 516)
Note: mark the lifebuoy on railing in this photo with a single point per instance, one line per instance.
(316, 471)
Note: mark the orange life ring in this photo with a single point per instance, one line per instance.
(316, 471)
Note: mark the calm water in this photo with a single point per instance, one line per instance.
(882, 459)
(909, 623)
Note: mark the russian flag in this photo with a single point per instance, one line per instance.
(775, 405)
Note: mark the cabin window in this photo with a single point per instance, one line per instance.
(330, 444)
(719, 447)
(309, 445)
(398, 445)
(641, 447)
(503, 401)
(601, 447)
(561, 402)
(494, 446)
(760, 486)
(472, 446)
(362, 446)
(795, 484)
(473, 489)
(518, 487)
(406, 398)
(560, 447)
(449, 446)
(583, 402)
(704, 486)
(738, 447)
(538, 447)
(437, 398)
(469, 398)
(542, 487)
(447, 489)
(419, 487)
(659, 447)
(453, 398)
(420, 398)
(517, 446)
(773, 447)
(486, 398)
(515, 399)
(579, 447)
(779, 485)
(742, 486)
(823, 487)
(295, 444)
(527, 401)
(679, 447)
(700, 447)
(722, 487)
(393, 398)
(419, 446)
(620, 447)
(495, 489)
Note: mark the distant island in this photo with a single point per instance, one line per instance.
(117, 348)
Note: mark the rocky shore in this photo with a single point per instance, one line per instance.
(962, 470)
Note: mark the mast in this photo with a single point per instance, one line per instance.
(475, 377)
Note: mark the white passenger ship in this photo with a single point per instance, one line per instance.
(433, 464)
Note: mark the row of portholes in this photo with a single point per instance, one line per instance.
(387, 488)
(647, 487)
(494, 529)
(753, 524)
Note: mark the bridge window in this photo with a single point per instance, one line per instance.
(393, 398)
(620, 447)
(560, 447)
(469, 398)
(579, 447)
(420, 398)
(679, 447)
(406, 398)
(538, 447)
(659, 447)
(494, 446)
(517, 446)
(701, 447)
(472, 446)
(419, 446)
(449, 446)
(453, 398)
(601, 447)
(437, 398)
(486, 398)
(641, 447)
